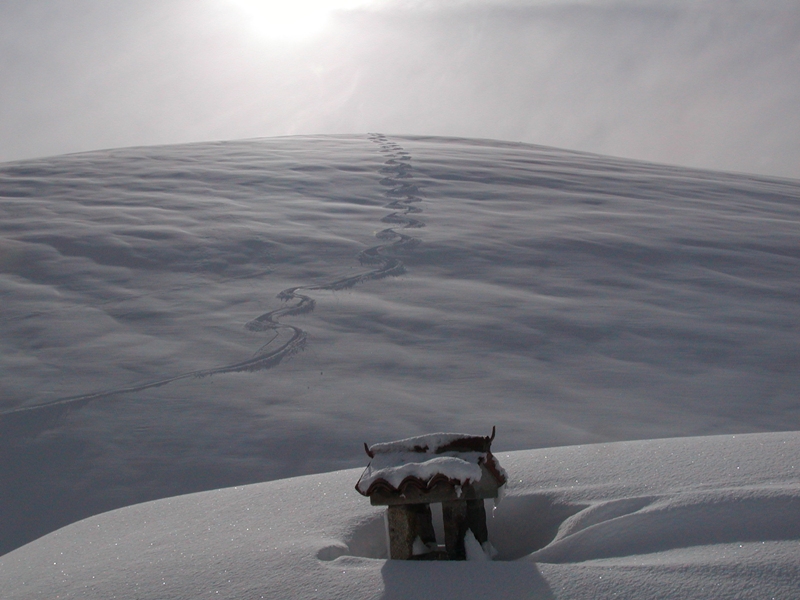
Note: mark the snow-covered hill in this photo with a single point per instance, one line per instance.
(566, 298)
(713, 517)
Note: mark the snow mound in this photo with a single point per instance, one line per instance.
(711, 517)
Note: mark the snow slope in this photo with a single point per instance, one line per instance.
(710, 517)
(566, 298)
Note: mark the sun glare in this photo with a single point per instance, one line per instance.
(291, 19)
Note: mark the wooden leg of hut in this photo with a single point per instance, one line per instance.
(425, 524)
(407, 522)
(454, 515)
(476, 520)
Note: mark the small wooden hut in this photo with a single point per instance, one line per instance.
(409, 475)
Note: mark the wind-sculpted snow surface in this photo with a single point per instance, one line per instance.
(713, 517)
(402, 195)
(566, 298)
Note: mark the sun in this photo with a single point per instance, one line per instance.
(291, 19)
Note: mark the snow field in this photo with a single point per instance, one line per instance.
(566, 298)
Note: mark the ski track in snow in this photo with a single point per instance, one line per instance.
(403, 196)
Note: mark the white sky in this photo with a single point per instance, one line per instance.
(711, 84)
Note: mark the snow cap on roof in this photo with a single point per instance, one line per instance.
(434, 443)
(422, 462)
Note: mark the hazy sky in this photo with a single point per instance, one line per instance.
(711, 84)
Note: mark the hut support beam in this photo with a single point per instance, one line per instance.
(459, 516)
(406, 523)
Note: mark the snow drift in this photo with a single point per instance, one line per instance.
(713, 517)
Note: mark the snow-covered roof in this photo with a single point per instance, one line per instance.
(434, 443)
(428, 461)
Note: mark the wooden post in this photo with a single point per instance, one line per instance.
(407, 522)
(460, 516)
(476, 520)
(454, 515)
